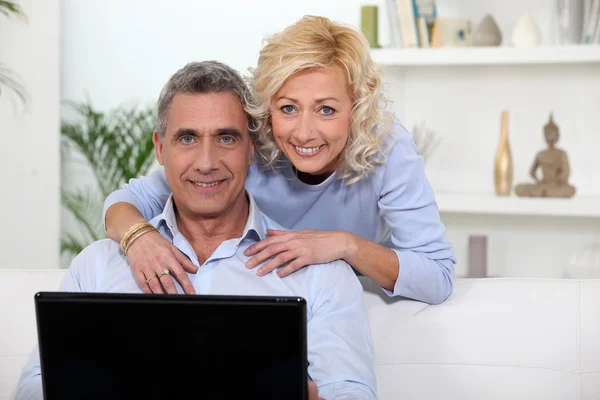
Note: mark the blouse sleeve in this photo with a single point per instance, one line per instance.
(407, 203)
(149, 194)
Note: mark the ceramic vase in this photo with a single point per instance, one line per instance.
(526, 33)
(503, 166)
(487, 33)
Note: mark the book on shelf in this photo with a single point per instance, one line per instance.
(406, 19)
(416, 24)
(394, 21)
(591, 23)
(411, 22)
(425, 12)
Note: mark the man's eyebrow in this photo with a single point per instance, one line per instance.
(229, 130)
(184, 132)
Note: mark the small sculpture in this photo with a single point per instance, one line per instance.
(526, 33)
(555, 169)
(487, 33)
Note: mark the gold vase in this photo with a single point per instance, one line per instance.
(503, 166)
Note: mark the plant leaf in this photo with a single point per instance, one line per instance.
(9, 8)
(116, 146)
(9, 80)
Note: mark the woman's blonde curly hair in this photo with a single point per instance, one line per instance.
(316, 42)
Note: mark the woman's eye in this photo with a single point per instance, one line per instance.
(287, 109)
(327, 110)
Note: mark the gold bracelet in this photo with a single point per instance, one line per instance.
(125, 241)
(137, 234)
(134, 228)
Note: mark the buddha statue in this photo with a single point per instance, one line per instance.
(554, 164)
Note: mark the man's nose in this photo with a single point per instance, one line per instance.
(207, 159)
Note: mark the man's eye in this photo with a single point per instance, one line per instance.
(287, 109)
(226, 139)
(187, 139)
(326, 110)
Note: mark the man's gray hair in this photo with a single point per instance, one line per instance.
(204, 77)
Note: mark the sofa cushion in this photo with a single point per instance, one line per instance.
(492, 338)
(17, 320)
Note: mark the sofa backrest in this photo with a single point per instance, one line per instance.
(492, 339)
(18, 332)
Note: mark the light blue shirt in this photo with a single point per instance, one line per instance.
(394, 206)
(340, 348)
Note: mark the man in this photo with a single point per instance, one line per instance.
(204, 142)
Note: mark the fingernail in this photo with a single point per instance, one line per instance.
(259, 272)
(248, 265)
(246, 252)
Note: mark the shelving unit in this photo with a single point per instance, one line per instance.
(460, 92)
(578, 54)
(490, 204)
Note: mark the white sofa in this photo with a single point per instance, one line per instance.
(492, 339)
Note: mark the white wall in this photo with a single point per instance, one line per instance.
(116, 52)
(29, 155)
(464, 103)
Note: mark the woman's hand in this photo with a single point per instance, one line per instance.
(149, 255)
(313, 391)
(300, 249)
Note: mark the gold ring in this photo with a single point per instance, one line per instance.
(165, 272)
(152, 277)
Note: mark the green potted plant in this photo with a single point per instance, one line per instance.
(115, 146)
(8, 79)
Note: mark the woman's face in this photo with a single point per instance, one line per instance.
(311, 115)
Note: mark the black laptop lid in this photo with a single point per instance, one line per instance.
(126, 346)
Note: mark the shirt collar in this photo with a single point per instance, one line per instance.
(254, 225)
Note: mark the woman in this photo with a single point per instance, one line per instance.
(334, 169)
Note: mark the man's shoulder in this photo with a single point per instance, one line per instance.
(98, 253)
(337, 268)
(271, 224)
(340, 266)
(102, 246)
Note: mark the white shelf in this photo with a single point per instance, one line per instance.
(577, 206)
(577, 54)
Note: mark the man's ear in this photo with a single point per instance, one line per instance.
(251, 155)
(158, 147)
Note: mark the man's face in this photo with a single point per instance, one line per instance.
(206, 152)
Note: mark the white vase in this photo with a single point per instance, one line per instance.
(526, 33)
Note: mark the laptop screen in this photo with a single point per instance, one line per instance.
(115, 346)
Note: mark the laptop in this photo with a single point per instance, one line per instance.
(135, 346)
